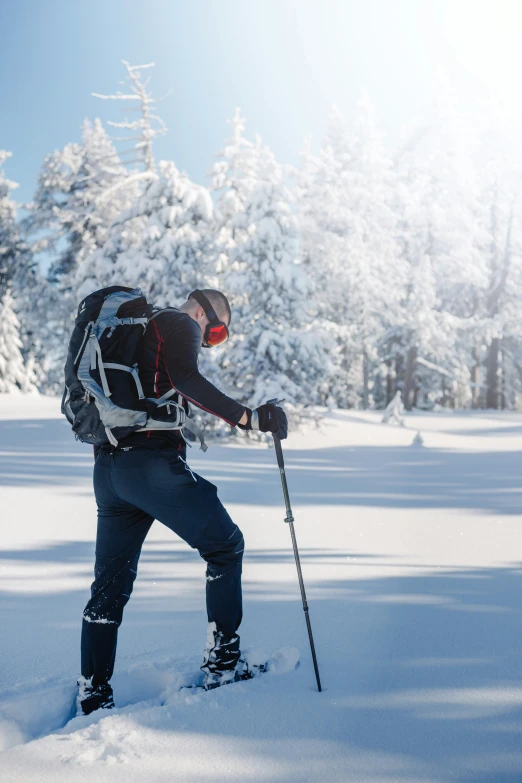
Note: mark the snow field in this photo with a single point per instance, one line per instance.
(410, 559)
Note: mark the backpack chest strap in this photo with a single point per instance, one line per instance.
(133, 371)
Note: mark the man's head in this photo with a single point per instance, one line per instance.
(197, 307)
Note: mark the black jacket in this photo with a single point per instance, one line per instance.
(169, 359)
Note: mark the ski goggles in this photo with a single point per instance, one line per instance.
(216, 332)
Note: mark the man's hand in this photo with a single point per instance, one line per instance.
(266, 418)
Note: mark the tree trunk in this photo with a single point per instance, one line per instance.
(475, 379)
(502, 382)
(444, 397)
(409, 380)
(500, 270)
(492, 367)
(390, 387)
(366, 380)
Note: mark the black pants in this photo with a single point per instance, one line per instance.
(132, 489)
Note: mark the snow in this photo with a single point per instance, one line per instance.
(410, 560)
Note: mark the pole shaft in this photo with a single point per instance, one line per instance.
(290, 520)
(305, 606)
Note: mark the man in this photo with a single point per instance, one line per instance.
(146, 477)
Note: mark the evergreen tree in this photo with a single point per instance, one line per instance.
(15, 374)
(71, 204)
(9, 238)
(379, 272)
(17, 358)
(437, 201)
(156, 241)
(233, 179)
(276, 350)
(498, 333)
(80, 192)
(350, 244)
(235, 175)
(160, 243)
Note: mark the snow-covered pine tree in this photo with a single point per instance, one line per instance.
(498, 333)
(71, 207)
(8, 234)
(437, 200)
(234, 177)
(69, 219)
(15, 374)
(17, 362)
(349, 244)
(278, 349)
(421, 337)
(160, 243)
(159, 240)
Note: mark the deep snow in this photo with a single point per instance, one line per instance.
(411, 559)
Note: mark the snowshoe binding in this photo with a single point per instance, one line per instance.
(221, 658)
(91, 698)
(224, 663)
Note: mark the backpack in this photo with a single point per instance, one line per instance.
(103, 398)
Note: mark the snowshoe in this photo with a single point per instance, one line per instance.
(251, 664)
(241, 672)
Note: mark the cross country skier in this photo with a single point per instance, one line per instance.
(146, 477)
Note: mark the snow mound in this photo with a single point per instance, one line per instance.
(418, 441)
(40, 712)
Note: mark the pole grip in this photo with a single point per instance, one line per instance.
(277, 439)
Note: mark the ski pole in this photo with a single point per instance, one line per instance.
(290, 520)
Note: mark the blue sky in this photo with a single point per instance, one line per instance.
(284, 62)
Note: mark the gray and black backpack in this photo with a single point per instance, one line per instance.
(103, 398)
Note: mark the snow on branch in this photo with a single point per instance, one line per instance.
(118, 96)
(435, 367)
(140, 176)
(137, 67)
(442, 371)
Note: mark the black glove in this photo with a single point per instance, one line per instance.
(267, 418)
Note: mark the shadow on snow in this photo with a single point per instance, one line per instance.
(423, 668)
(376, 476)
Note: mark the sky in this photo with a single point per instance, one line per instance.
(284, 62)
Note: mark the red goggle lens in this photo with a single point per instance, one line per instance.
(217, 335)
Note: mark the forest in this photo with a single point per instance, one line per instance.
(370, 267)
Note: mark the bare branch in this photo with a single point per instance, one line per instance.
(137, 67)
(116, 97)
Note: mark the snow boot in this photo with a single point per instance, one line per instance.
(91, 698)
(222, 659)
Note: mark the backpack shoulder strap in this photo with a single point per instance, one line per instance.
(159, 310)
